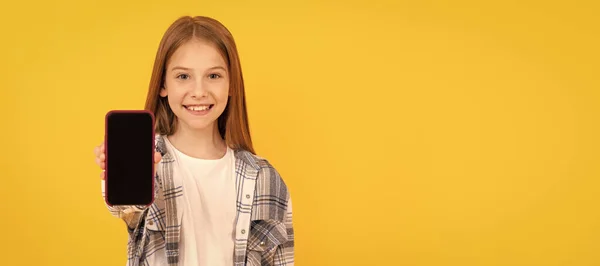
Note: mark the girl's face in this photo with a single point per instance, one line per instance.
(197, 85)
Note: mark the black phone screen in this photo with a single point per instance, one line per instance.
(129, 158)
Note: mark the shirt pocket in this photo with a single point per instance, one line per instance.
(155, 217)
(154, 232)
(264, 238)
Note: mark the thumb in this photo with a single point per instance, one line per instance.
(157, 157)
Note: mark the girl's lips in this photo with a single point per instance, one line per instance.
(199, 110)
(198, 107)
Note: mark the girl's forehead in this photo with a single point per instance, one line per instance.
(197, 54)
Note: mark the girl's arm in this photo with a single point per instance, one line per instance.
(284, 255)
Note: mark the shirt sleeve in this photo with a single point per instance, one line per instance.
(284, 255)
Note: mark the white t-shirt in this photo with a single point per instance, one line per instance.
(208, 205)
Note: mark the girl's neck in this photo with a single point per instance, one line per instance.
(202, 144)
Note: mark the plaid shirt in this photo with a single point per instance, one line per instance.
(263, 231)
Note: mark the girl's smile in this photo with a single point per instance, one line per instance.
(199, 109)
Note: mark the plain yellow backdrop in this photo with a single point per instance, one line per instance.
(429, 133)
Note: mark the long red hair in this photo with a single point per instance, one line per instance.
(233, 123)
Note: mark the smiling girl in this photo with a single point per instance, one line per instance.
(217, 202)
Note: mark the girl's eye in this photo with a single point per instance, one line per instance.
(214, 76)
(183, 76)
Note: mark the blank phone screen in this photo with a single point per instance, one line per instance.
(129, 158)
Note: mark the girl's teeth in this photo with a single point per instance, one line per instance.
(198, 108)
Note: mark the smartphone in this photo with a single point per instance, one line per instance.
(129, 150)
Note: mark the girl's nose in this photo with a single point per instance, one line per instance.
(199, 90)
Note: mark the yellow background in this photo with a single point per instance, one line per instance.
(426, 133)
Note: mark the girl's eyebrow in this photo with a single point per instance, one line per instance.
(188, 69)
(218, 67)
(180, 68)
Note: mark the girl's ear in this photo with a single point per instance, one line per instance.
(163, 92)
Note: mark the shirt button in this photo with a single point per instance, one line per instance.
(243, 231)
(262, 243)
(150, 222)
(247, 196)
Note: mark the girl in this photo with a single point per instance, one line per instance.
(217, 203)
